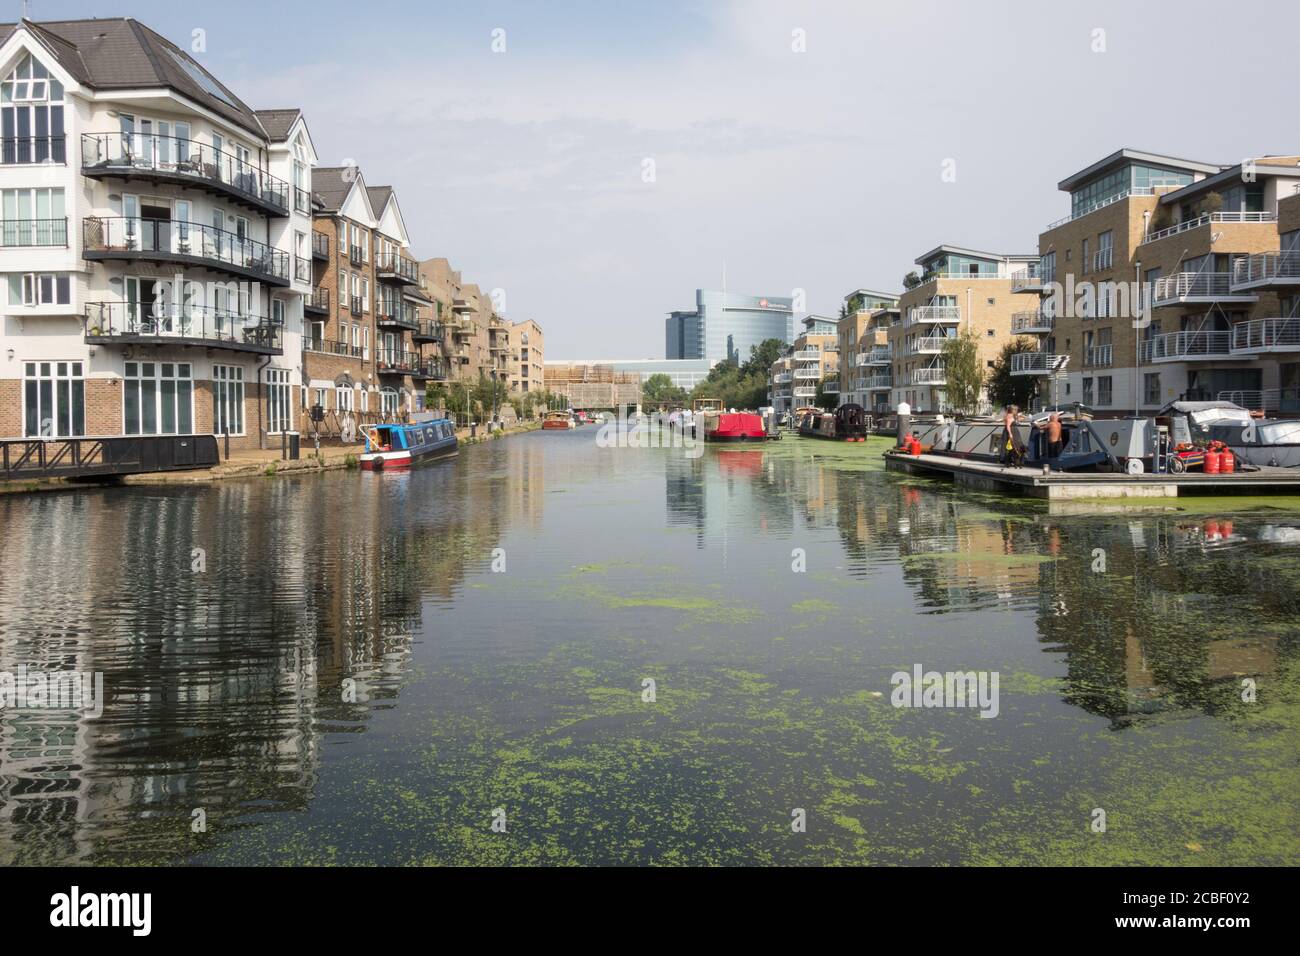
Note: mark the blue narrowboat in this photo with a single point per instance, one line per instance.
(401, 446)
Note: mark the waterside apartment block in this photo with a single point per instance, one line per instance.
(1170, 279)
(960, 290)
(155, 241)
(866, 375)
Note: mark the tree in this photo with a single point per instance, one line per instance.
(1005, 388)
(965, 377)
(824, 400)
(761, 357)
(911, 280)
(659, 389)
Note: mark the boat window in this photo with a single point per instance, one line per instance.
(1279, 433)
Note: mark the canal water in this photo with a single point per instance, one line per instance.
(626, 655)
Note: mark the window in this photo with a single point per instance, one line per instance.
(1104, 390)
(277, 311)
(365, 295)
(35, 288)
(343, 398)
(54, 399)
(1087, 391)
(277, 400)
(1085, 257)
(388, 402)
(34, 217)
(31, 115)
(228, 400)
(1151, 388)
(158, 399)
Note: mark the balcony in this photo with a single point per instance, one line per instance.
(805, 391)
(426, 369)
(34, 151)
(331, 347)
(783, 378)
(318, 302)
(1184, 288)
(182, 243)
(830, 387)
(1038, 363)
(1103, 259)
(1260, 336)
(172, 160)
(396, 362)
(356, 305)
(395, 267)
(354, 255)
(34, 232)
(320, 246)
(926, 345)
(1099, 356)
(1279, 270)
(1206, 219)
(1029, 279)
(302, 200)
(461, 305)
(1032, 322)
(933, 315)
(808, 355)
(395, 315)
(1202, 345)
(301, 269)
(880, 355)
(934, 375)
(123, 323)
(807, 374)
(876, 382)
(427, 331)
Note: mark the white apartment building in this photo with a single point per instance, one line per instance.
(155, 245)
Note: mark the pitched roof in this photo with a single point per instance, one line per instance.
(379, 197)
(277, 123)
(121, 53)
(331, 185)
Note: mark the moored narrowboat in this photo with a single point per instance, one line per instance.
(557, 420)
(735, 426)
(401, 446)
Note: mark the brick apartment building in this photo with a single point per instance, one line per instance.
(527, 368)
(1212, 254)
(961, 290)
(865, 363)
(372, 341)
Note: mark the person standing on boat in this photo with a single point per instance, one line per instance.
(1052, 430)
(904, 422)
(1010, 441)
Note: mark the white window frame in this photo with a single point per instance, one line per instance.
(227, 397)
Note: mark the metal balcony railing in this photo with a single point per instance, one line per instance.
(1266, 335)
(34, 232)
(1208, 218)
(320, 245)
(24, 150)
(318, 300)
(1201, 286)
(125, 323)
(1099, 356)
(394, 265)
(1031, 322)
(1267, 268)
(1191, 344)
(934, 375)
(1036, 363)
(179, 160)
(180, 240)
(933, 314)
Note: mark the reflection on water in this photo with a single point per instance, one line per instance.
(350, 681)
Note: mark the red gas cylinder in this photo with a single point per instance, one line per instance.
(1213, 460)
(1227, 461)
(914, 445)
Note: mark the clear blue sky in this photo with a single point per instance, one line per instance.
(819, 170)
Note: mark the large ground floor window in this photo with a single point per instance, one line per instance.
(158, 399)
(277, 400)
(54, 399)
(388, 399)
(227, 400)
